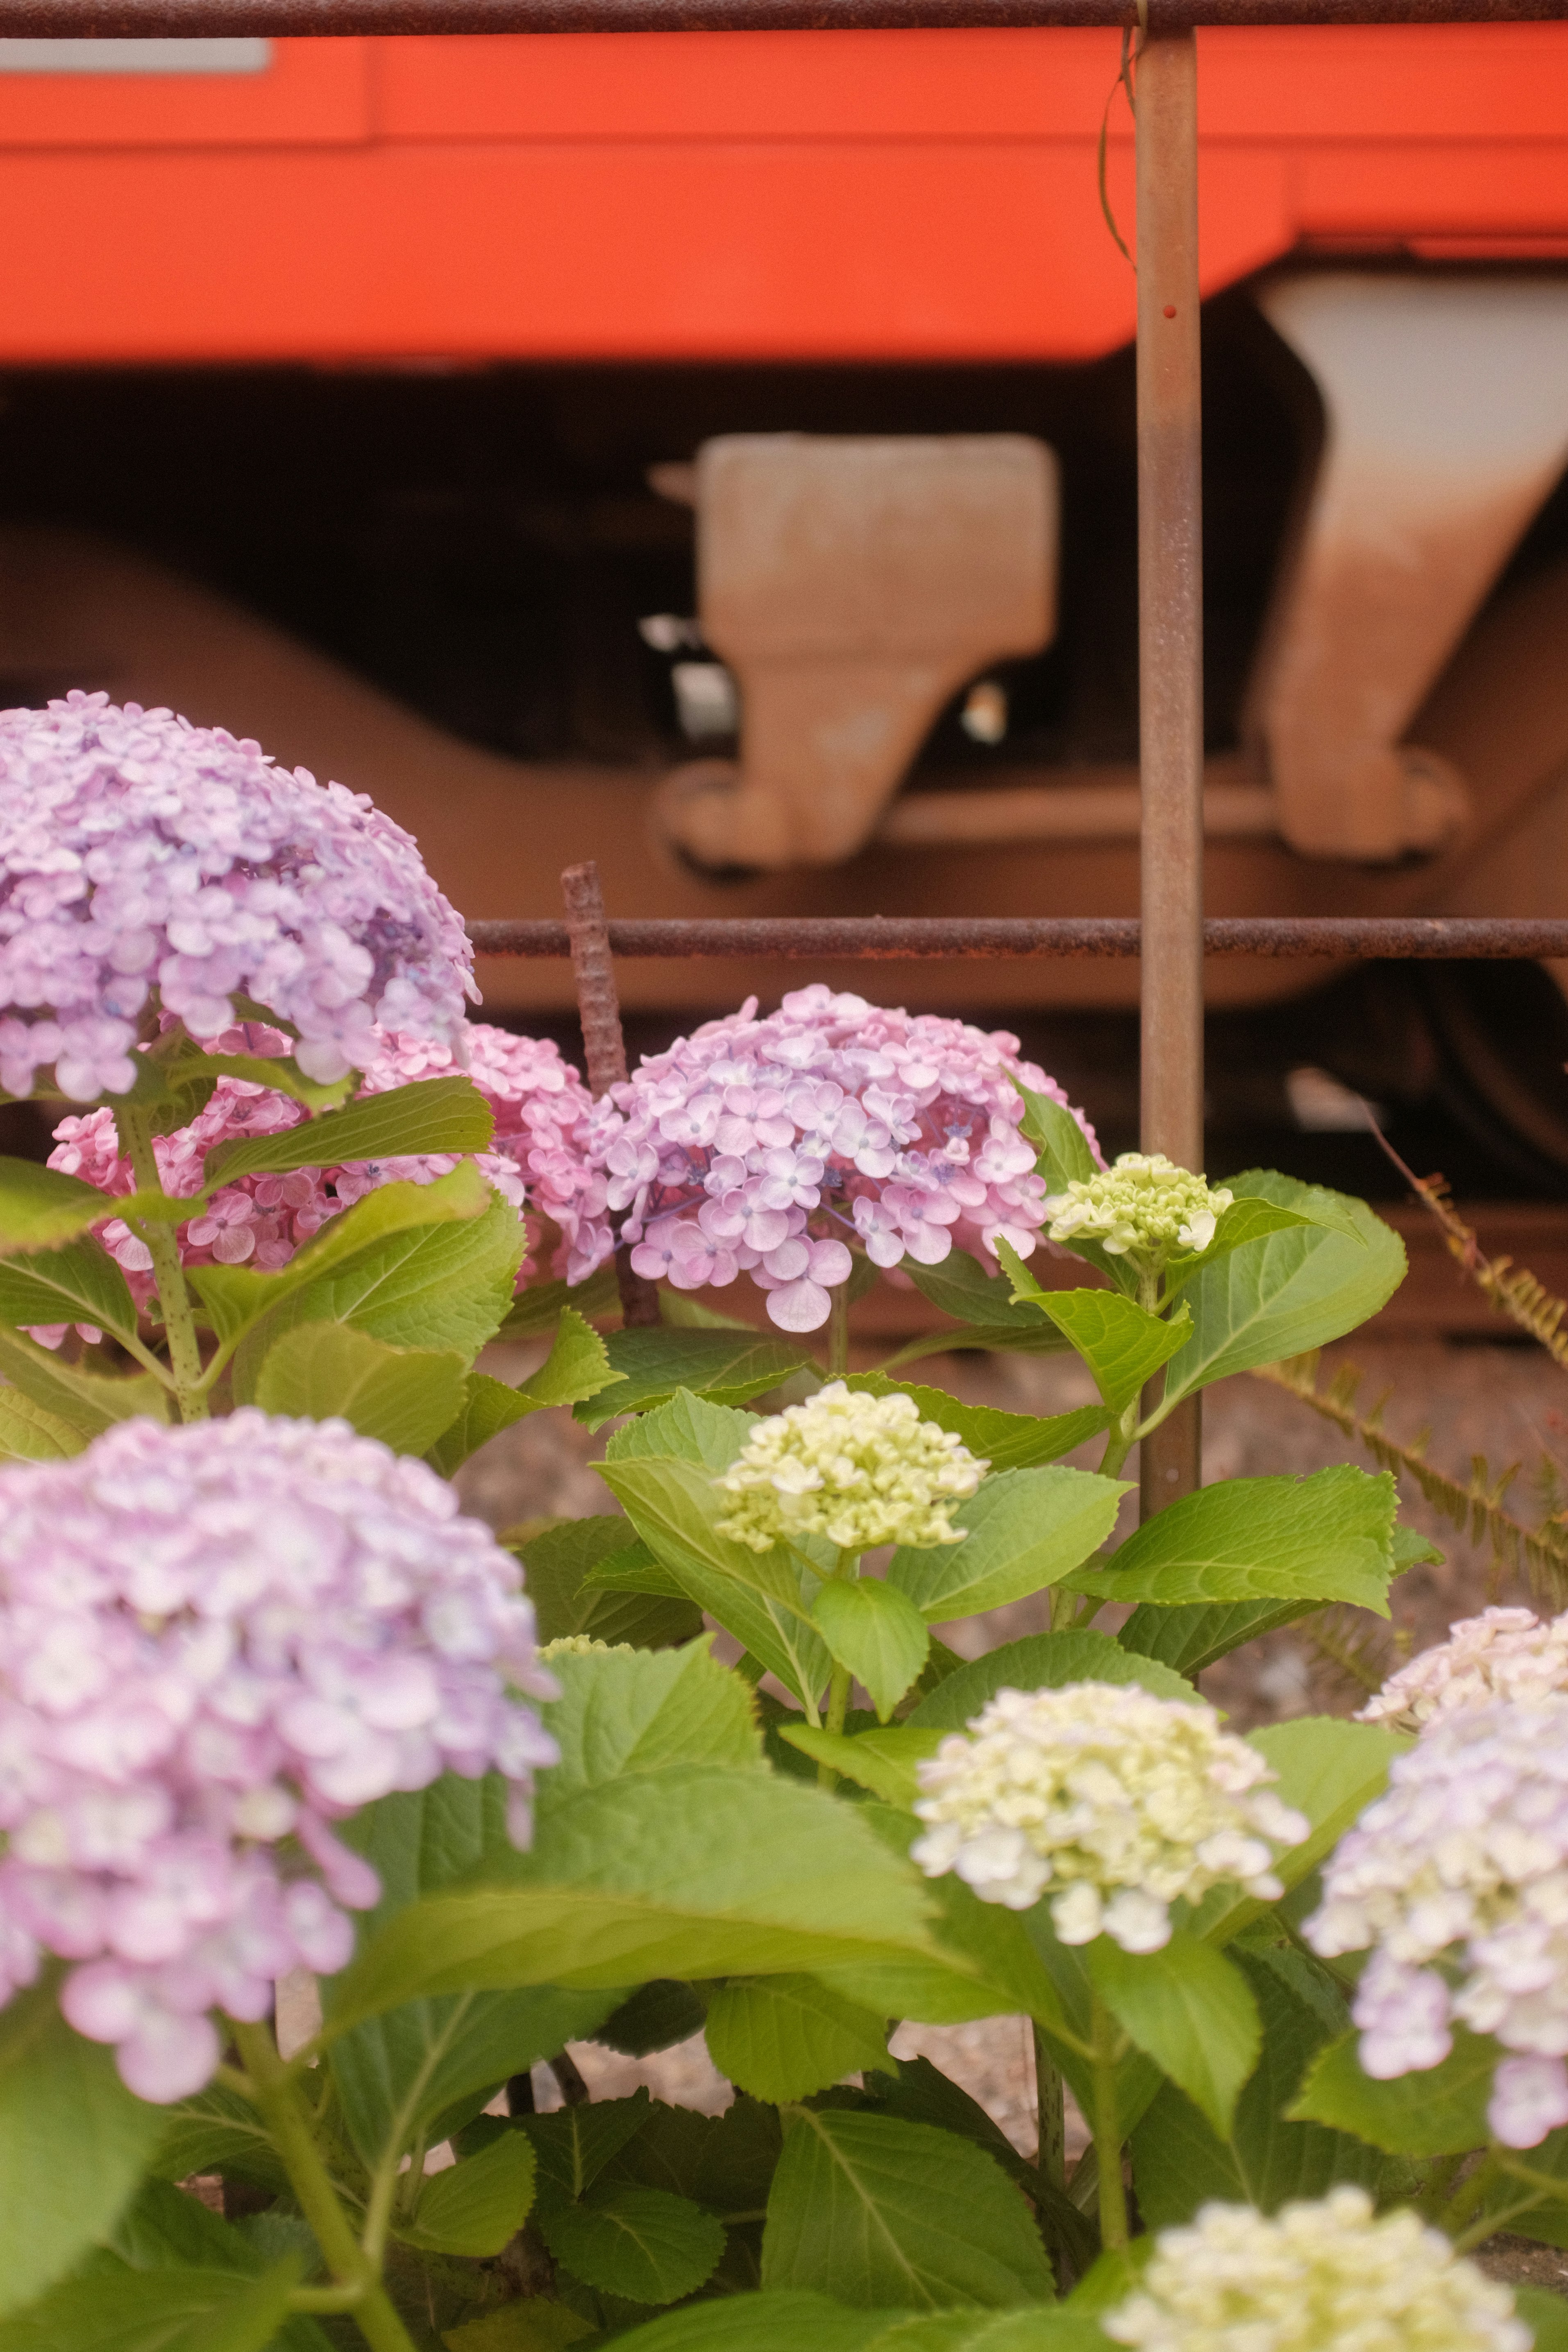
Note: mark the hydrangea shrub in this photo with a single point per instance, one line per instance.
(332, 1823)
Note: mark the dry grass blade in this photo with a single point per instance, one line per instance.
(1540, 1553)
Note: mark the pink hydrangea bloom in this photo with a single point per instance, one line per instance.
(767, 1146)
(1501, 1653)
(138, 852)
(540, 1103)
(214, 1642)
(1457, 1882)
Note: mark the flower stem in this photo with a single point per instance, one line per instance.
(1050, 2106)
(1118, 1443)
(839, 1332)
(289, 2126)
(179, 1323)
(1471, 2193)
(1108, 2130)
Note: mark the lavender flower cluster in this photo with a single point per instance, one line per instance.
(214, 1642)
(535, 1160)
(1457, 1881)
(767, 1146)
(139, 852)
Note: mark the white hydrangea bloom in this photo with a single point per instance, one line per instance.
(1143, 1207)
(1503, 1654)
(860, 1470)
(1312, 2277)
(1457, 1881)
(1114, 1802)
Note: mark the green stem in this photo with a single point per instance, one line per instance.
(288, 2123)
(1470, 2194)
(1050, 2106)
(174, 1300)
(1108, 2130)
(839, 1332)
(1119, 1441)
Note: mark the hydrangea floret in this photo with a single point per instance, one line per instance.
(1503, 1654)
(861, 1470)
(215, 1643)
(143, 857)
(1110, 1801)
(1456, 1880)
(769, 1147)
(540, 1105)
(1144, 1208)
(1330, 2273)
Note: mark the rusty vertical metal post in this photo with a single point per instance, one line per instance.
(1169, 643)
(603, 1047)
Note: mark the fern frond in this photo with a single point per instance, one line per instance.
(1359, 1646)
(1513, 1292)
(1478, 1511)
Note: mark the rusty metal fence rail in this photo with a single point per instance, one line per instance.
(949, 938)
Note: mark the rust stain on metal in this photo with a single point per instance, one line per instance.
(604, 1046)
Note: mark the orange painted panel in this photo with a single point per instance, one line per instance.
(310, 91)
(1445, 192)
(1503, 82)
(743, 251)
(967, 85)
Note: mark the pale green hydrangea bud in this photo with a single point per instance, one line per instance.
(860, 1470)
(1113, 1802)
(1313, 2276)
(579, 1645)
(1143, 1207)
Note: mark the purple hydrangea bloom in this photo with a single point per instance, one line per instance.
(535, 1160)
(214, 1642)
(766, 1147)
(1457, 1882)
(140, 853)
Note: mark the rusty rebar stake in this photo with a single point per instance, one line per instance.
(603, 1044)
(1169, 659)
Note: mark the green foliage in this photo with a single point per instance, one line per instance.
(763, 1598)
(983, 1311)
(87, 1402)
(40, 1207)
(156, 2310)
(1328, 1537)
(1041, 1661)
(433, 1115)
(726, 1367)
(1007, 1441)
(76, 1284)
(1189, 2009)
(882, 1760)
(877, 2212)
(1250, 1218)
(30, 1432)
(1180, 2162)
(643, 2244)
(405, 1396)
(436, 1286)
(1122, 1342)
(1291, 1292)
(1442, 2111)
(1546, 2316)
(1024, 1530)
(74, 2142)
(875, 1631)
(563, 1564)
(781, 2038)
(789, 2321)
(477, 2205)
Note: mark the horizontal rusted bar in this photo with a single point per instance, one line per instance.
(910, 938)
(159, 19)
